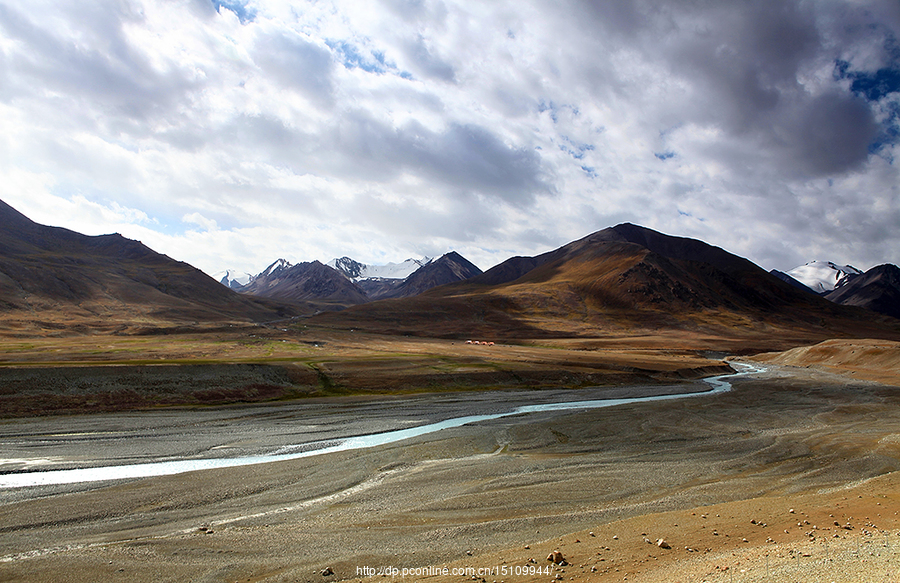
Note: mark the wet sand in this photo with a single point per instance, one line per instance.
(474, 495)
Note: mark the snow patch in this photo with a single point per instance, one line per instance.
(822, 276)
(232, 278)
(358, 271)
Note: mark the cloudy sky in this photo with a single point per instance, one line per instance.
(228, 133)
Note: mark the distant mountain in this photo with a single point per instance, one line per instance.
(822, 276)
(618, 280)
(357, 271)
(278, 266)
(364, 283)
(449, 268)
(878, 289)
(305, 282)
(54, 275)
(232, 278)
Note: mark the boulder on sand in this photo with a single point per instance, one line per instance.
(556, 557)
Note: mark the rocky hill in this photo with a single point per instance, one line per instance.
(303, 282)
(56, 278)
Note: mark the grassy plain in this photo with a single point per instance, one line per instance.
(265, 363)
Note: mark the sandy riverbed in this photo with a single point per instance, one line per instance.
(475, 495)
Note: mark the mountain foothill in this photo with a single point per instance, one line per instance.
(622, 279)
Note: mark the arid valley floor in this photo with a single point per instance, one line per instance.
(792, 475)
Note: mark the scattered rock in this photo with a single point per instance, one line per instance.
(556, 557)
(661, 543)
(327, 572)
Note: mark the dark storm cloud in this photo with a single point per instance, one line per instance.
(472, 158)
(833, 134)
(466, 158)
(743, 64)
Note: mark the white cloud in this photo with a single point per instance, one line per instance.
(228, 134)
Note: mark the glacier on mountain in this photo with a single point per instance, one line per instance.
(232, 278)
(358, 271)
(823, 276)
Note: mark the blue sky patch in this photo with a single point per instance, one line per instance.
(352, 58)
(871, 85)
(664, 155)
(575, 149)
(876, 85)
(244, 14)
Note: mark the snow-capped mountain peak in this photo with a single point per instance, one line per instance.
(357, 271)
(232, 278)
(279, 265)
(347, 266)
(823, 276)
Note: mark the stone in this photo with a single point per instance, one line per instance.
(556, 557)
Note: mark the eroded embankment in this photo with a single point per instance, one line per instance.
(51, 390)
(875, 360)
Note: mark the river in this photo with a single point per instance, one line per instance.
(91, 472)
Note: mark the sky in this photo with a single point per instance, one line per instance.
(230, 133)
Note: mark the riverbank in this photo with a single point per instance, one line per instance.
(96, 374)
(478, 494)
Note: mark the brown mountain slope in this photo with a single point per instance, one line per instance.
(310, 281)
(620, 280)
(449, 268)
(53, 277)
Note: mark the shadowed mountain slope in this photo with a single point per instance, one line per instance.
(449, 268)
(59, 277)
(310, 281)
(878, 289)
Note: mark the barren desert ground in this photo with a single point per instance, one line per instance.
(790, 476)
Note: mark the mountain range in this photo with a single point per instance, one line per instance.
(619, 280)
(877, 289)
(345, 282)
